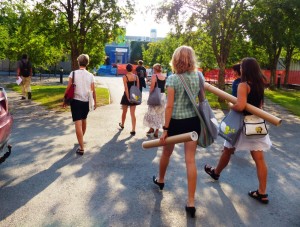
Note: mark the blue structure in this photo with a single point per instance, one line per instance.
(117, 54)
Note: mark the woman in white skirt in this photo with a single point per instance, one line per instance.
(154, 118)
(250, 90)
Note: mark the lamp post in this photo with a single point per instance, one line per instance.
(61, 74)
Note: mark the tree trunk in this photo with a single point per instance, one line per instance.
(288, 60)
(221, 77)
(74, 56)
(273, 66)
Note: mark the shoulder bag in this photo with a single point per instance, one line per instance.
(155, 96)
(135, 95)
(231, 126)
(69, 95)
(205, 138)
(255, 126)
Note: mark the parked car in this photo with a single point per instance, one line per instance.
(6, 122)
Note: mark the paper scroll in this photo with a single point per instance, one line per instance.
(250, 108)
(190, 136)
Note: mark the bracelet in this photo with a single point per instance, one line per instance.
(165, 128)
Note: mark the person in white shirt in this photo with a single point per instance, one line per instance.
(85, 83)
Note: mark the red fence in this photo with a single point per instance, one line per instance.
(212, 76)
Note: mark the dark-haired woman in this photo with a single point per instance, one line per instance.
(250, 90)
(129, 79)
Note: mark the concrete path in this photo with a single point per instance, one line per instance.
(44, 183)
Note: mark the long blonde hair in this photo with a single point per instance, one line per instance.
(183, 60)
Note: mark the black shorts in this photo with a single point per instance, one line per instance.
(180, 126)
(79, 110)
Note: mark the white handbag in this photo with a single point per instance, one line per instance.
(255, 126)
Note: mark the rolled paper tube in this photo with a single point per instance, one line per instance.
(185, 137)
(250, 108)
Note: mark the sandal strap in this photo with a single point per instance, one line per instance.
(262, 196)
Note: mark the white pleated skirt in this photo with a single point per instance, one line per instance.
(251, 143)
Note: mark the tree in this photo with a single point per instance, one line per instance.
(291, 36)
(136, 51)
(221, 20)
(273, 25)
(87, 24)
(161, 52)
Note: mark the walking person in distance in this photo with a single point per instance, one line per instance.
(154, 118)
(85, 84)
(129, 80)
(24, 70)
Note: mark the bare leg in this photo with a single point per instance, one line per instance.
(224, 159)
(124, 112)
(190, 151)
(79, 133)
(262, 170)
(133, 118)
(164, 161)
(83, 126)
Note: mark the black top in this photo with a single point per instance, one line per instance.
(124, 100)
(253, 98)
(161, 84)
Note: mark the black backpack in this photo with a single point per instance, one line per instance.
(25, 69)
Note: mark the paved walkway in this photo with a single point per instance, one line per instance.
(44, 183)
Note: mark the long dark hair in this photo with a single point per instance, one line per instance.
(252, 74)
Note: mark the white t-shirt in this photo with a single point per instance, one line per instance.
(83, 81)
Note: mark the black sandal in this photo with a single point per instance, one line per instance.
(191, 211)
(79, 151)
(160, 185)
(263, 198)
(211, 172)
(121, 126)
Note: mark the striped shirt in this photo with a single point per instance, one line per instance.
(183, 107)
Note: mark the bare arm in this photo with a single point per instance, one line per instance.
(94, 95)
(169, 111)
(125, 87)
(153, 80)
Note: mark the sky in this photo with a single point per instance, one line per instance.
(143, 20)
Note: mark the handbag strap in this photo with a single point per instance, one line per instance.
(156, 83)
(73, 77)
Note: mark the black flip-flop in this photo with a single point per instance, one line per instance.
(79, 151)
(122, 127)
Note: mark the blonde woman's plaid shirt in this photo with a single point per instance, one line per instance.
(183, 108)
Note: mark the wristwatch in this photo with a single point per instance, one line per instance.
(165, 128)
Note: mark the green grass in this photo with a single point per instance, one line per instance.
(288, 99)
(51, 96)
(214, 103)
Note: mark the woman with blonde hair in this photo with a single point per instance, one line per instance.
(85, 83)
(154, 118)
(180, 117)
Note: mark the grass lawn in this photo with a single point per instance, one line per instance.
(51, 96)
(290, 99)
